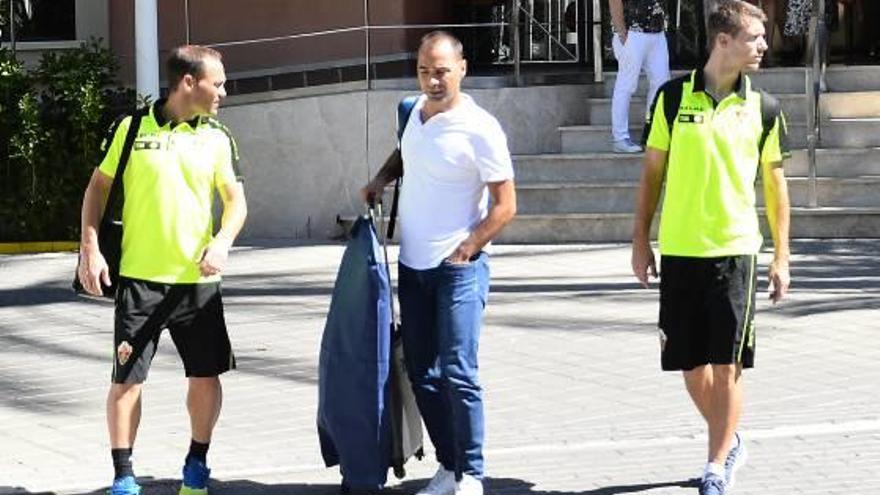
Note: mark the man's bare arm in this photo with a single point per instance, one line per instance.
(391, 169)
(650, 186)
(92, 265)
(501, 212)
(776, 202)
(214, 258)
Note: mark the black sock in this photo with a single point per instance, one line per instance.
(122, 462)
(198, 451)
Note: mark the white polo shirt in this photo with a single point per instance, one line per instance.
(447, 162)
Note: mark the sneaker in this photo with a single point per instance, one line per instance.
(195, 478)
(626, 146)
(124, 486)
(736, 458)
(712, 484)
(469, 486)
(443, 483)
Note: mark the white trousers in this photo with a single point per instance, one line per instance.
(641, 50)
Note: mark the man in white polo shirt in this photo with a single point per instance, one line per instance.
(455, 157)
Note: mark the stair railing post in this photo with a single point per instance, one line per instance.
(517, 50)
(813, 91)
(598, 69)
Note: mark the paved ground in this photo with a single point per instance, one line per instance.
(576, 404)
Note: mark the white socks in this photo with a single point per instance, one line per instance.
(713, 468)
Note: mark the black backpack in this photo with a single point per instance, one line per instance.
(672, 90)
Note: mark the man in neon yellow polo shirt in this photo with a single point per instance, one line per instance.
(710, 133)
(171, 260)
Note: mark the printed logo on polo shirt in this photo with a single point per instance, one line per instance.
(690, 118)
(147, 144)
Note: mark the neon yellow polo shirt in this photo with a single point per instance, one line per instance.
(713, 159)
(169, 186)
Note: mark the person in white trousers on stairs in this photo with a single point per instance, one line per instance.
(639, 41)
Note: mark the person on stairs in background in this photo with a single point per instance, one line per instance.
(639, 41)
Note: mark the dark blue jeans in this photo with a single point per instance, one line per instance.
(441, 311)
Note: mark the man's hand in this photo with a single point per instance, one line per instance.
(372, 193)
(214, 256)
(643, 261)
(780, 279)
(93, 270)
(463, 253)
(622, 35)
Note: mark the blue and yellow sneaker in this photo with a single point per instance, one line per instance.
(124, 486)
(735, 460)
(195, 478)
(712, 484)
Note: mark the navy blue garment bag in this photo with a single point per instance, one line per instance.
(355, 364)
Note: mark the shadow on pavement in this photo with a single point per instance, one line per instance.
(231, 487)
(493, 486)
(17, 490)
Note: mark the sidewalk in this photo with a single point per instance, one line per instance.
(576, 403)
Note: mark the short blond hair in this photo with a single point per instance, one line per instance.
(729, 17)
(188, 59)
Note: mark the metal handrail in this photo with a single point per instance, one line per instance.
(367, 28)
(813, 76)
(547, 32)
(598, 69)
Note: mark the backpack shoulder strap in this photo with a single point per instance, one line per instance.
(116, 187)
(770, 111)
(671, 91)
(672, 100)
(404, 110)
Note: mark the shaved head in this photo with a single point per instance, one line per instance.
(436, 37)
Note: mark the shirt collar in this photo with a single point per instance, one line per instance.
(699, 83)
(160, 118)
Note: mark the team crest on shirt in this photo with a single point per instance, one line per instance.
(690, 118)
(147, 144)
(123, 352)
(745, 114)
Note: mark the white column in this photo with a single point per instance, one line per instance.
(146, 34)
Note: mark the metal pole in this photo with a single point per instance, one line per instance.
(12, 26)
(517, 51)
(187, 20)
(146, 28)
(677, 28)
(598, 69)
(367, 98)
(367, 39)
(813, 77)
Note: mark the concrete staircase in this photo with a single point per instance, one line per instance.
(582, 192)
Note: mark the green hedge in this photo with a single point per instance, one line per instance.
(52, 121)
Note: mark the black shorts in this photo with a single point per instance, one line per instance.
(193, 313)
(707, 309)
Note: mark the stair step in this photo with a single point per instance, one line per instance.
(854, 105)
(599, 109)
(776, 81)
(580, 167)
(853, 78)
(592, 167)
(855, 133)
(819, 223)
(806, 223)
(619, 197)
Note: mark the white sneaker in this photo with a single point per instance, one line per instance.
(626, 146)
(443, 483)
(469, 486)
